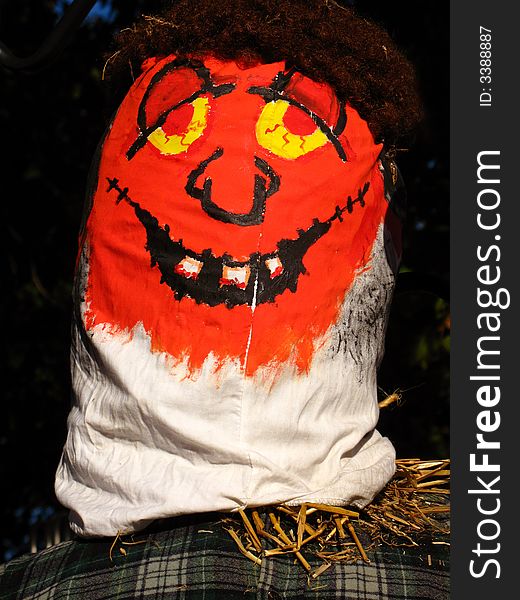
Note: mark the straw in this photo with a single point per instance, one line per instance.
(410, 511)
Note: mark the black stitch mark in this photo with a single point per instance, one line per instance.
(260, 193)
(206, 287)
(360, 198)
(349, 206)
(113, 184)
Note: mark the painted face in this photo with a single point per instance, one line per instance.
(233, 210)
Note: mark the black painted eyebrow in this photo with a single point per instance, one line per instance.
(207, 87)
(282, 80)
(276, 92)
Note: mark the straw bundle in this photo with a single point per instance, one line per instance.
(411, 510)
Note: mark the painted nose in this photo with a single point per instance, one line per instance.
(264, 184)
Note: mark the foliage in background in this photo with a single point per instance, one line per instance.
(50, 123)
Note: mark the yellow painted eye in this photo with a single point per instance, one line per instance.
(275, 134)
(182, 127)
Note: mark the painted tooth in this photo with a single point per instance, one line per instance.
(275, 266)
(238, 276)
(188, 267)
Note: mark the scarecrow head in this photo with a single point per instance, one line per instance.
(229, 196)
(235, 203)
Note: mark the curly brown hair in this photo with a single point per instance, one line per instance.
(323, 40)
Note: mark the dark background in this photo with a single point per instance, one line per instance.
(50, 123)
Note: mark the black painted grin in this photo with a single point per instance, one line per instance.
(214, 280)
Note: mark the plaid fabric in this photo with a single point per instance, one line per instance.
(196, 559)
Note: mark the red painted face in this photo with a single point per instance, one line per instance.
(233, 209)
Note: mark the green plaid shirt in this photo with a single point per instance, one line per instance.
(194, 558)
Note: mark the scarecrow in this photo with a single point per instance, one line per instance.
(236, 264)
(239, 251)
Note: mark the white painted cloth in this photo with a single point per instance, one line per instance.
(144, 442)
